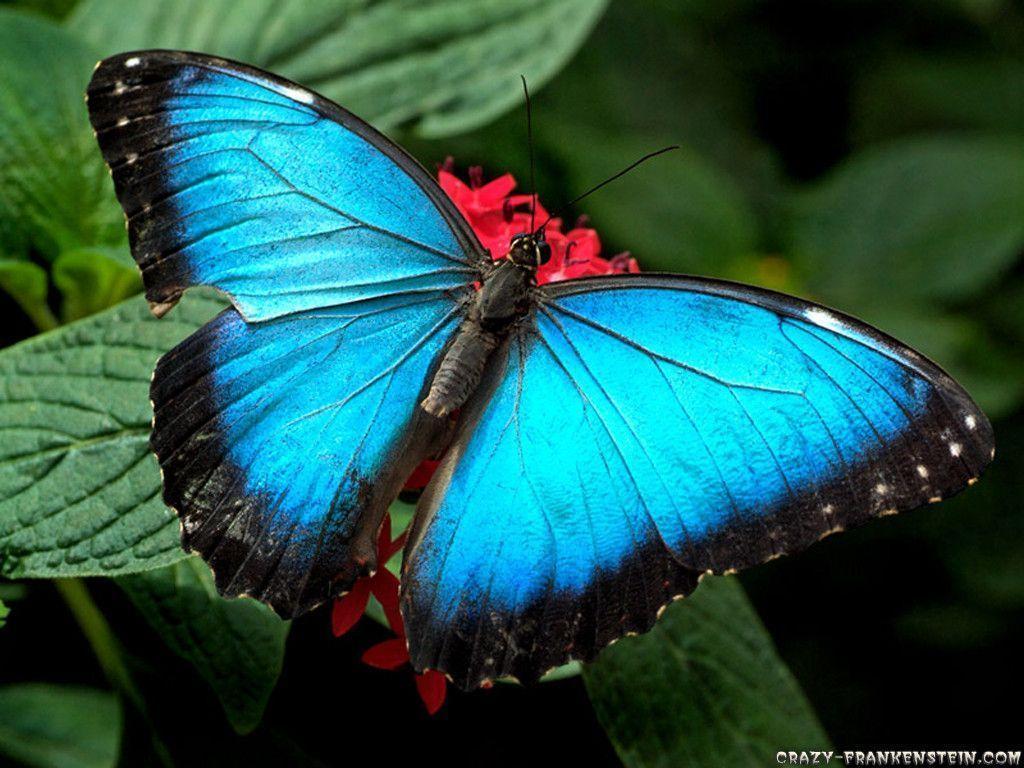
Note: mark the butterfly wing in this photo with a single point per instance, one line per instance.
(647, 429)
(281, 453)
(235, 178)
(286, 425)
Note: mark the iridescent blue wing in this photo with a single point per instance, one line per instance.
(235, 178)
(285, 426)
(283, 442)
(647, 429)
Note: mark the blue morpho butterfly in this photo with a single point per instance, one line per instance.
(617, 437)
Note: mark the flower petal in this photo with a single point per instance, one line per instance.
(433, 688)
(390, 654)
(396, 545)
(385, 588)
(453, 186)
(349, 608)
(421, 475)
(493, 193)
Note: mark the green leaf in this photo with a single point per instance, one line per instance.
(54, 190)
(703, 688)
(237, 646)
(56, 9)
(51, 726)
(444, 64)
(93, 279)
(79, 489)
(678, 213)
(26, 283)
(4, 613)
(916, 93)
(916, 219)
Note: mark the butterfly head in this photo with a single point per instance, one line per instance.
(529, 250)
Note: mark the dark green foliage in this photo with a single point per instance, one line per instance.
(51, 726)
(237, 646)
(79, 489)
(702, 688)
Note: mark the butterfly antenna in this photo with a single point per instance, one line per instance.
(529, 141)
(607, 181)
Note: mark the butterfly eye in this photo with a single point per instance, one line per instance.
(543, 253)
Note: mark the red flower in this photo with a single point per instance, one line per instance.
(496, 215)
(383, 585)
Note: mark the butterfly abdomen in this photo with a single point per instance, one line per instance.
(503, 299)
(461, 368)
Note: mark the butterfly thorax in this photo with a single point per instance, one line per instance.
(505, 297)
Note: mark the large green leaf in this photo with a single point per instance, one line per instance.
(917, 93)
(52, 726)
(447, 64)
(236, 645)
(54, 189)
(703, 689)
(79, 489)
(921, 218)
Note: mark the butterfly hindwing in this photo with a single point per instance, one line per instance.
(235, 178)
(647, 429)
(281, 455)
(285, 426)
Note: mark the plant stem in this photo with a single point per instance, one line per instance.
(107, 650)
(101, 639)
(41, 315)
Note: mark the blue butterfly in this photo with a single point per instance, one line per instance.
(615, 439)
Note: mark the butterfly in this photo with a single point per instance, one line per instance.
(606, 441)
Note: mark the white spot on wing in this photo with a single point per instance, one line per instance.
(970, 422)
(881, 489)
(122, 121)
(134, 61)
(822, 318)
(298, 94)
(922, 470)
(954, 449)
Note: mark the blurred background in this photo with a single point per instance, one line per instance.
(867, 154)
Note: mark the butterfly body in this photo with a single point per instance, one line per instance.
(605, 441)
(507, 296)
